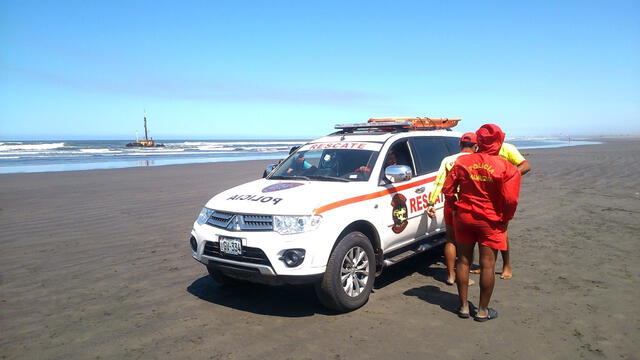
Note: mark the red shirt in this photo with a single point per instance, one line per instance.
(489, 186)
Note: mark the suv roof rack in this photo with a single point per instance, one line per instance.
(384, 125)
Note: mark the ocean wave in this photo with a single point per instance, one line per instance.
(66, 153)
(242, 145)
(161, 153)
(50, 153)
(98, 151)
(209, 147)
(153, 150)
(187, 143)
(236, 143)
(15, 146)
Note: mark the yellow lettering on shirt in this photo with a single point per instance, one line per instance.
(477, 177)
(482, 166)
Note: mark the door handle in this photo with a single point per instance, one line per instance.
(420, 190)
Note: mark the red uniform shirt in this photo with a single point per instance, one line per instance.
(487, 185)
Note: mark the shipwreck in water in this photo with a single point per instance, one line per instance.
(147, 142)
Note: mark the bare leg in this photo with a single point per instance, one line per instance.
(487, 278)
(450, 255)
(506, 263)
(473, 270)
(465, 258)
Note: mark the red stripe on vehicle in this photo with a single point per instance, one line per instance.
(377, 194)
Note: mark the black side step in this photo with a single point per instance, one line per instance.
(408, 251)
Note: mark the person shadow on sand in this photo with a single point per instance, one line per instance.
(433, 295)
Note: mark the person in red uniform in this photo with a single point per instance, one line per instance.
(467, 146)
(487, 188)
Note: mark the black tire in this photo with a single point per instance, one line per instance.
(330, 290)
(221, 278)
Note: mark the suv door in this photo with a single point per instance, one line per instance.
(428, 152)
(400, 223)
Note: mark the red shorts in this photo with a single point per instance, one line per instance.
(470, 230)
(448, 215)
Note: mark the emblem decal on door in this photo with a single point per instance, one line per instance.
(399, 213)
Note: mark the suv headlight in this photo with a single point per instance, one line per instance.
(205, 214)
(287, 224)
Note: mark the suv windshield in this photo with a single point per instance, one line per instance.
(329, 162)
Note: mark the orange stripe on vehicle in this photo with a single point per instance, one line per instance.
(374, 195)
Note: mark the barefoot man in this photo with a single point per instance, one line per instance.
(511, 153)
(467, 146)
(487, 188)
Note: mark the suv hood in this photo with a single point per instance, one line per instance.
(283, 197)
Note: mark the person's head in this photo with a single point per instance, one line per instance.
(293, 148)
(468, 141)
(391, 159)
(298, 162)
(490, 139)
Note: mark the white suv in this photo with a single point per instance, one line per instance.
(335, 213)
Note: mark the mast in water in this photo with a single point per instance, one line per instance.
(145, 126)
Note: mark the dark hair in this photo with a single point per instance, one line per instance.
(466, 144)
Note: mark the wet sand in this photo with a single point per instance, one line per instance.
(96, 265)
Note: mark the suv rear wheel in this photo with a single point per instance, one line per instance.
(350, 273)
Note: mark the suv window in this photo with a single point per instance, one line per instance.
(453, 144)
(398, 154)
(327, 164)
(429, 152)
(400, 151)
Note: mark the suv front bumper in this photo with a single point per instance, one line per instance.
(260, 274)
(261, 260)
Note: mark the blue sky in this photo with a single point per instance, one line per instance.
(293, 69)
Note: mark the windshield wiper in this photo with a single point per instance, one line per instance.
(292, 177)
(328, 178)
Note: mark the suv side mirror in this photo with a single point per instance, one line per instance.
(268, 169)
(398, 173)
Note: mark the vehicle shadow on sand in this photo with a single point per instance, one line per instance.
(301, 300)
(421, 264)
(285, 301)
(447, 298)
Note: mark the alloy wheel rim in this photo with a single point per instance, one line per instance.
(354, 273)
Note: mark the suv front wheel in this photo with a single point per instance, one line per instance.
(350, 273)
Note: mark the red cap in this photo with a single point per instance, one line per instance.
(469, 137)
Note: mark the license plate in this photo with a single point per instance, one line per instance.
(230, 246)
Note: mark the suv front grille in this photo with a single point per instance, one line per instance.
(240, 222)
(249, 254)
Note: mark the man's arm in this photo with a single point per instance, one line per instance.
(513, 155)
(510, 192)
(524, 167)
(437, 188)
(439, 181)
(449, 189)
